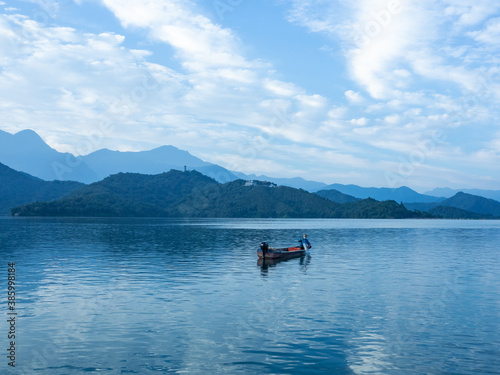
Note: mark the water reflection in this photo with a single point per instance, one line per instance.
(160, 296)
(266, 264)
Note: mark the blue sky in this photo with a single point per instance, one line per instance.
(372, 92)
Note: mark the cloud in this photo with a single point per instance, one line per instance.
(470, 12)
(387, 43)
(490, 35)
(69, 81)
(280, 88)
(200, 43)
(354, 97)
(312, 101)
(63, 80)
(404, 73)
(359, 122)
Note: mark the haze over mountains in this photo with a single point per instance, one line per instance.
(401, 194)
(27, 152)
(192, 194)
(464, 201)
(448, 193)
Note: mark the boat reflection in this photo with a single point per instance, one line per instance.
(265, 264)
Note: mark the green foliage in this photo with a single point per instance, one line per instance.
(473, 203)
(373, 209)
(234, 199)
(461, 206)
(18, 188)
(123, 194)
(448, 212)
(191, 194)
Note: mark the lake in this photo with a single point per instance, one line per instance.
(162, 296)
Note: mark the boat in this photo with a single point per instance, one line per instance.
(267, 252)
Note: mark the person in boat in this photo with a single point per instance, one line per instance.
(304, 242)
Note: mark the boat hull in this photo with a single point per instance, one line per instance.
(282, 253)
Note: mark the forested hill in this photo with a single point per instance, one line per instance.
(191, 194)
(461, 205)
(235, 199)
(18, 188)
(124, 194)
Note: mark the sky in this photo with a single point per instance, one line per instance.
(382, 93)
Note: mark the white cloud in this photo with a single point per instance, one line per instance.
(382, 40)
(281, 88)
(313, 101)
(338, 112)
(316, 15)
(359, 122)
(403, 73)
(63, 80)
(354, 97)
(200, 43)
(489, 35)
(470, 12)
(385, 45)
(84, 78)
(412, 71)
(392, 119)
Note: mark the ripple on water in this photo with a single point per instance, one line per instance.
(164, 296)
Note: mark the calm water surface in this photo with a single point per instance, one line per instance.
(158, 296)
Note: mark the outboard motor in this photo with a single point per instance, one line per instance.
(264, 247)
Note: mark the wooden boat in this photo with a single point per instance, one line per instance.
(267, 252)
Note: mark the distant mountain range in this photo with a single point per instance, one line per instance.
(191, 194)
(448, 193)
(463, 201)
(402, 194)
(337, 196)
(27, 152)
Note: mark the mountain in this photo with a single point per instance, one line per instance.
(421, 206)
(162, 159)
(401, 194)
(124, 194)
(106, 162)
(218, 173)
(372, 209)
(448, 193)
(17, 188)
(295, 182)
(27, 152)
(237, 199)
(473, 203)
(176, 194)
(337, 196)
(484, 207)
(191, 194)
